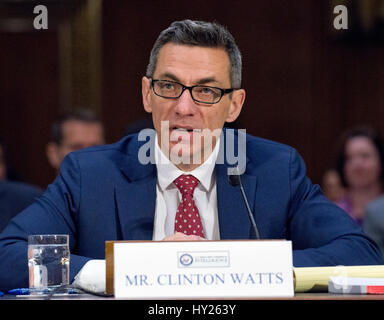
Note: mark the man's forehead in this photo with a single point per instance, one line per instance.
(193, 61)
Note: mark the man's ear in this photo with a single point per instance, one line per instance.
(146, 93)
(237, 101)
(52, 152)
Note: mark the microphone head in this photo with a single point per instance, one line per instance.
(234, 179)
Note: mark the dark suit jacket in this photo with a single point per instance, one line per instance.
(104, 193)
(14, 197)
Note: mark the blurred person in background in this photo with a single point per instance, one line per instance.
(14, 196)
(332, 186)
(360, 166)
(73, 130)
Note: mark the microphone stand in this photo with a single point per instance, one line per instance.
(235, 180)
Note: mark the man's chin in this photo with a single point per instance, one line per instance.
(185, 154)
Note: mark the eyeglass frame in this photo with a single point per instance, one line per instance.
(190, 88)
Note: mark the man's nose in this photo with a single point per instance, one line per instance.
(185, 105)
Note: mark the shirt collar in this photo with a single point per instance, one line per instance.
(167, 172)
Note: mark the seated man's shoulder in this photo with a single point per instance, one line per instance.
(261, 147)
(268, 156)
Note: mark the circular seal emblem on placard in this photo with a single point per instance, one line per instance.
(186, 259)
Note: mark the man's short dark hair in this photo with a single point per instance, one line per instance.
(83, 115)
(199, 33)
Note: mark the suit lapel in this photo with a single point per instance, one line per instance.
(135, 202)
(233, 217)
(135, 194)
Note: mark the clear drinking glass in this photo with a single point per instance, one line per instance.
(48, 262)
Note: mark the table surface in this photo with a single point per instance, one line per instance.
(298, 296)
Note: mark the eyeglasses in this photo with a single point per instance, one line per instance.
(199, 93)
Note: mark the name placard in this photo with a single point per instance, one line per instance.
(201, 269)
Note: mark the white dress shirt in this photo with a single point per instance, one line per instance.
(168, 196)
(92, 276)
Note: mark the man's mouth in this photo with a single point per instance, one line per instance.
(185, 129)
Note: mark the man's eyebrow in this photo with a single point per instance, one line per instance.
(174, 78)
(169, 76)
(207, 80)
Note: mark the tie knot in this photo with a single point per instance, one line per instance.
(186, 183)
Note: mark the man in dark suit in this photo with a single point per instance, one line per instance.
(149, 186)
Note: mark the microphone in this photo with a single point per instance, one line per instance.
(235, 180)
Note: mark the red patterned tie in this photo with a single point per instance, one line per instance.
(187, 218)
